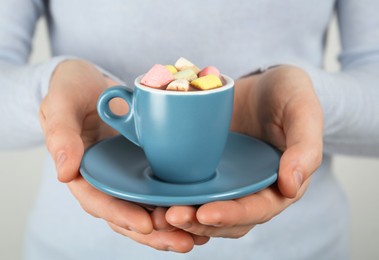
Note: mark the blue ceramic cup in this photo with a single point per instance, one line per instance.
(183, 134)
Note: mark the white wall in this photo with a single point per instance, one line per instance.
(20, 176)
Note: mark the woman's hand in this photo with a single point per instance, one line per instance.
(280, 107)
(70, 123)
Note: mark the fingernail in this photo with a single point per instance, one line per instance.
(61, 158)
(171, 249)
(212, 224)
(169, 229)
(298, 179)
(185, 225)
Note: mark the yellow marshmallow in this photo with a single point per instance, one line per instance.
(171, 68)
(207, 82)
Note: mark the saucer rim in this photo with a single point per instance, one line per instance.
(166, 200)
(159, 200)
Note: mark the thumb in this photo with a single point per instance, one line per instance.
(303, 127)
(297, 164)
(61, 125)
(72, 96)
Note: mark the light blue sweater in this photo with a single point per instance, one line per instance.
(126, 37)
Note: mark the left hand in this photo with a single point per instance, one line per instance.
(280, 107)
(70, 123)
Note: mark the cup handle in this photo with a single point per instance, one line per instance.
(124, 124)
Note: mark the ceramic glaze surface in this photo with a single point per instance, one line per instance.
(118, 167)
(182, 134)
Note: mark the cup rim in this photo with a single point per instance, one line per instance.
(229, 84)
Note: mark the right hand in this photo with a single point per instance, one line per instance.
(70, 124)
(280, 107)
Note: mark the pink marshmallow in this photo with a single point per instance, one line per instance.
(209, 70)
(157, 77)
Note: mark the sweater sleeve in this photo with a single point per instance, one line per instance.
(350, 98)
(22, 86)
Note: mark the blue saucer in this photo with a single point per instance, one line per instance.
(119, 168)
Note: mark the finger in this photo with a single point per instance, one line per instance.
(159, 220)
(200, 240)
(73, 92)
(233, 218)
(297, 164)
(181, 217)
(61, 124)
(303, 124)
(185, 218)
(119, 212)
(253, 209)
(177, 241)
(163, 225)
(224, 232)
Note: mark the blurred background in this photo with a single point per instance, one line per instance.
(20, 174)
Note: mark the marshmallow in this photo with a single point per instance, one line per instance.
(171, 68)
(157, 77)
(187, 74)
(207, 82)
(183, 64)
(209, 70)
(178, 85)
